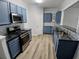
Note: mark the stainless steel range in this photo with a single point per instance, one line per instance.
(21, 43)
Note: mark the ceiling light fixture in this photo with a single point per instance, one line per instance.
(39, 1)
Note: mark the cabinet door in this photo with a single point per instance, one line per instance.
(47, 17)
(47, 29)
(19, 10)
(24, 15)
(14, 47)
(13, 8)
(4, 13)
(66, 49)
(58, 17)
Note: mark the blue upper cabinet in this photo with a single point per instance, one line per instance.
(4, 13)
(19, 10)
(13, 8)
(58, 17)
(22, 11)
(24, 15)
(47, 17)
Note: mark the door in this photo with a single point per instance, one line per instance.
(47, 17)
(4, 13)
(58, 17)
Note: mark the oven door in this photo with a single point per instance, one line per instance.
(25, 39)
(14, 47)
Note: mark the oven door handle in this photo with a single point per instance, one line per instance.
(23, 36)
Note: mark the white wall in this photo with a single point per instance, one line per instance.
(51, 10)
(36, 19)
(71, 17)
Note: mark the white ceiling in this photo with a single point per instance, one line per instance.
(47, 3)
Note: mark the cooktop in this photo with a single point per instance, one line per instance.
(14, 34)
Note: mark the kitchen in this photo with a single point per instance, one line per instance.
(21, 20)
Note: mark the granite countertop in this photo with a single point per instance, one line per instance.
(71, 32)
(70, 28)
(2, 37)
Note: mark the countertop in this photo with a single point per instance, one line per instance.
(70, 33)
(2, 37)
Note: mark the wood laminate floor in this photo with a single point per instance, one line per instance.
(41, 47)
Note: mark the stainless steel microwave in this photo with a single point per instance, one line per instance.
(16, 18)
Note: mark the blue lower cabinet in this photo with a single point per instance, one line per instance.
(66, 49)
(14, 47)
(47, 29)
